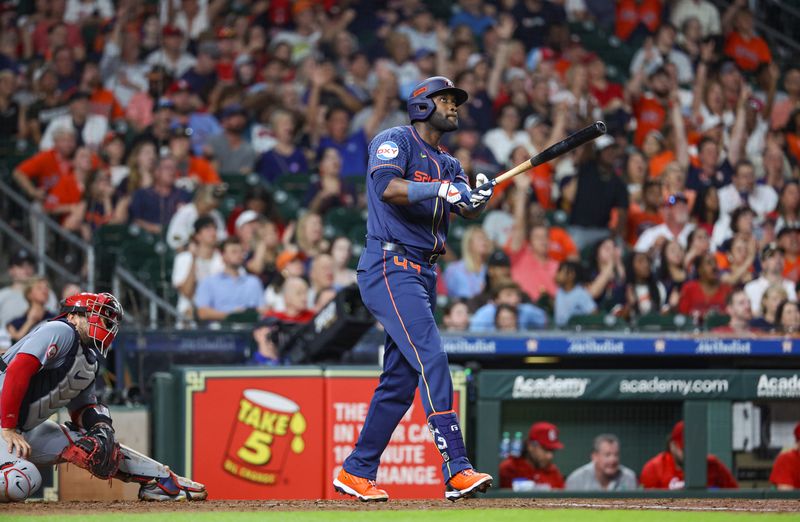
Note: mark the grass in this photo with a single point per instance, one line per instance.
(506, 515)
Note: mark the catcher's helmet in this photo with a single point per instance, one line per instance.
(420, 105)
(103, 313)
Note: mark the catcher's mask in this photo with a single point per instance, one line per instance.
(103, 313)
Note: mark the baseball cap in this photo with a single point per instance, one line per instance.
(546, 434)
(676, 198)
(78, 94)
(164, 103)
(423, 53)
(287, 256)
(677, 434)
(498, 258)
(786, 230)
(533, 120)
(21, 257)
(181, 131)
(232, 110)
(603, 142)
(246, 217)
(202, 222)
(171, 30)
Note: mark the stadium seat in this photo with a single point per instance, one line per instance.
(296, 185)
(596, 322)
(714, 320)
(288, 206)
(341, 220)
(663, 323)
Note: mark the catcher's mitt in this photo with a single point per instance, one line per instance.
(96, 452)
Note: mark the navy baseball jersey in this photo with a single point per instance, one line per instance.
(423, 225)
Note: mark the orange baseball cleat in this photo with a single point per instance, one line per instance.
(466, 483)
(363, 489)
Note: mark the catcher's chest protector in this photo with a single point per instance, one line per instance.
(52, 389)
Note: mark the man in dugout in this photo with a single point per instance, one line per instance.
(786, 470)
(534, 469)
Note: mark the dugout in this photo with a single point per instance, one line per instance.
(640, 407)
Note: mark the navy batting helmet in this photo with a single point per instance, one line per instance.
(420, 105)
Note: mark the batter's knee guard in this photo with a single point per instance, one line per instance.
(447, 436)
(19, 479)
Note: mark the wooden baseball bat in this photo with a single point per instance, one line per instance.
(585, 135)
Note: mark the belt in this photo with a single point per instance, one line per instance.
(424, 255)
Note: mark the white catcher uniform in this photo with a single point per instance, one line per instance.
(65, 377)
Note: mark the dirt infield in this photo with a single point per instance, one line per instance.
(736, 505)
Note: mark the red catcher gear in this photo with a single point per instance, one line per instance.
(103, 313)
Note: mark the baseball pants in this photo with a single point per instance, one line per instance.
(400, 292)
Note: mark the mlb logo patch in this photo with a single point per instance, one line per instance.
(387, 150)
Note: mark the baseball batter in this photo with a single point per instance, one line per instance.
(55, 366)
(412, 187)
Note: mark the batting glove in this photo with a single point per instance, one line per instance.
(457, 194)
(478, 198)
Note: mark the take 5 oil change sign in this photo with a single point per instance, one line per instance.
(259, 437)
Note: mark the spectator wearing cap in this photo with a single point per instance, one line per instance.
(231, 291)
(742, 44)
(231, 152)
(120, 67)
(152, 207)
(200, 260)
(171, 55)
(665, 470)
(599, 192)
(529, 317)
(676, 226)
(663, 51)
(498, 272)
(706, 293)
(12, 298)
(290, 263)
(102, 101)
(203, 125)
(771, 274)
(603, 472)
(785, 475)
(37, 175)
(285, 158)
(572, 298)
(202, 77)
(534, 469)
(465, 278)
(738, 309)
(205, 202)
(37, 293)
(90, 129)
(191, 170)
(705, 12)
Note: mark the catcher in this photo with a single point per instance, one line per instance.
(55, 366)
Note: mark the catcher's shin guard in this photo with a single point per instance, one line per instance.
(19, 479)
(157, 481)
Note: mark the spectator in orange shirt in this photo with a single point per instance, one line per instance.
(37, 175)
(640, 219)
(785, 474)
(534, 469)
(191, 169)
(650, 108)
(64, 201)
(560, 246)
(790, 243)
(102, 101)
(746, 48)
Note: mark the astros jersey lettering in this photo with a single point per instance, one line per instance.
(401, 152)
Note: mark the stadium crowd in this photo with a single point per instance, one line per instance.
(147, 114)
